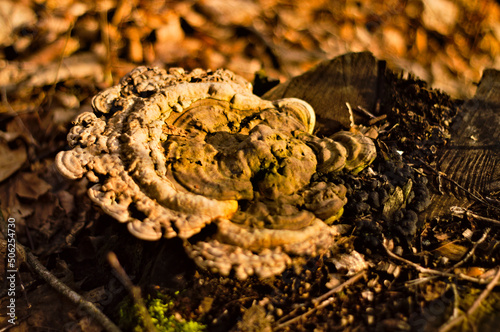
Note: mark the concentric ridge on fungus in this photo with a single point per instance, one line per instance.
(190, 149)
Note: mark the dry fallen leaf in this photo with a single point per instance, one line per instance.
(452, 251)
(13, 15)
(11, 160)
(76, 66)
(31, 186)
(440, 16)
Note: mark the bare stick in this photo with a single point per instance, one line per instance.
(366, 112)
(373, 119)
(351, 115)
(340, 287)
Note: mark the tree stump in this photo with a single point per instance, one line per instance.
(470, 162)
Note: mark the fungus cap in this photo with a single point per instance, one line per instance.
(170, 152)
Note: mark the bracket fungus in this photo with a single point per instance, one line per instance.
(170, 152)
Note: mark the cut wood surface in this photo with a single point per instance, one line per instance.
(471, 160)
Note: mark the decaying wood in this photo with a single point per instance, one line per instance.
(467, 168)
(471, 160)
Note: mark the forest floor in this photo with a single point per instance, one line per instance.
(56, 55)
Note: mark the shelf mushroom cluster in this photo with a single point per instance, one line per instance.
(170, 152)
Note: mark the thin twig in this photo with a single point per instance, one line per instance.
(134, 291)
(455, 321)
(373, 119)
(425, 270)
(460, 211)
(456, 302)
(471, 251)
(351, 115)
(492, 201)
(323, 303)
(366, 112)
(340, 287)
(416, 266)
